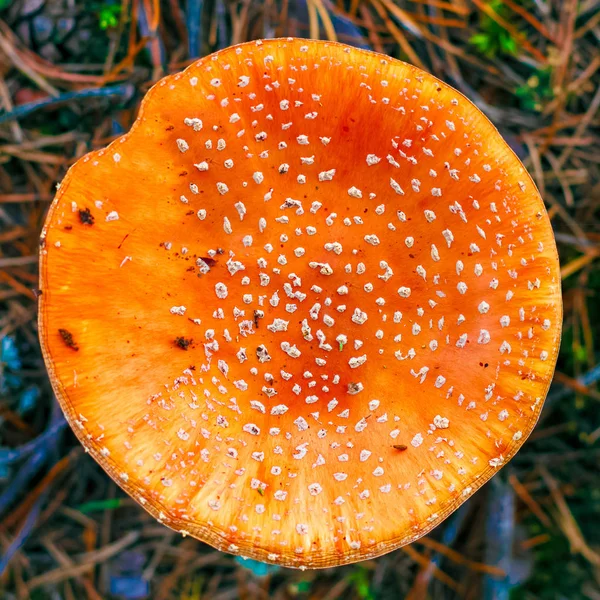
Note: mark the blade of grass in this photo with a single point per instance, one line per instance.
(459, 559)
(437, 572)
(567, 521)
(527, 499)
(85, 563)
(313, 20)
(447, 6)
(99, 505)
(193, 18)
(578, 263)
(124, 90)
(527, 16)
(404, 18)
(326, 19)
(397, 34)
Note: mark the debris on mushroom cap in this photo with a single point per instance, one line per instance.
(302, 259)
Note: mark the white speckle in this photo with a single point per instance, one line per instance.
(278, 325)
(462, 341)
(354, 192)
(417, 440)
(222, 188)
(314, 489)
(396, 187)
(221, 290)
(484, 337)
(441, 422)
(357, 361)
(256, 405)
(302, 529)
(448, 236)
(241, 209)
(359, 317)
(439, 381)
(326, 175)
(251, 428)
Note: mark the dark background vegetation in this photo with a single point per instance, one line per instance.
(72, 73)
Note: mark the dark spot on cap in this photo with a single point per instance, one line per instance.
(183, 342)
(67, 338)
(211, 262)
(86, 217)
(400, 447)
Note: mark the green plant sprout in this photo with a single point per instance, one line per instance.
(536, 91)
(492, 39)
(108, 16)
(361, 583)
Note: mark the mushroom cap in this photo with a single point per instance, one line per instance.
(306, 307)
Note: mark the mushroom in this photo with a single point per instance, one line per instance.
(306, 307)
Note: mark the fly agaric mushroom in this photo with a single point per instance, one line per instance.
(306, 307)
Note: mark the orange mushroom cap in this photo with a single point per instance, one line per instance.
(306, 307)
